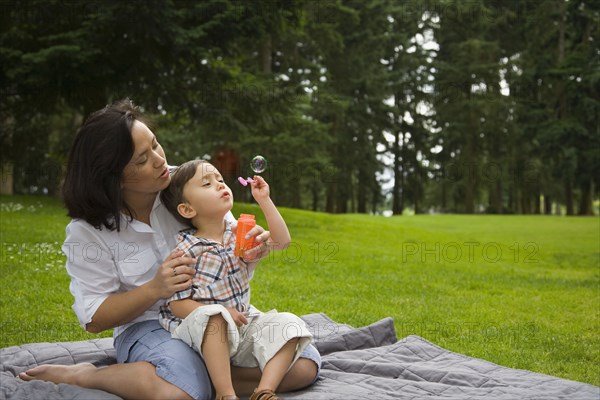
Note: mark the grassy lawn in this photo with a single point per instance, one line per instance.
(520, 291)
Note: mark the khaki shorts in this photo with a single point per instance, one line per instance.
(251, 345)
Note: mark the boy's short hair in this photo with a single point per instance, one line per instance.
(172, 196)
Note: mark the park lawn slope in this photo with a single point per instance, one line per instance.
(520, 291)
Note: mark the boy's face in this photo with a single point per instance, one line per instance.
(206, 194)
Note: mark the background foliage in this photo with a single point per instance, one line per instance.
(452, 106)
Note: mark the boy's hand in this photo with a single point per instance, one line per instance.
(260, 250)
(260, 188)
(239, 318)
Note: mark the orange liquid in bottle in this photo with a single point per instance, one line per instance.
(245, 223)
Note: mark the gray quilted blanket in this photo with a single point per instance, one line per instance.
(358, 363)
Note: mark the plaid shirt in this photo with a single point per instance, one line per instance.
(220, 277)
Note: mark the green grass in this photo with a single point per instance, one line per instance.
(520, 291)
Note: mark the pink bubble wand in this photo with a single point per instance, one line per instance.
(246, 181)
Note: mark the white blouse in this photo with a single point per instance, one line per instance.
(101, 262)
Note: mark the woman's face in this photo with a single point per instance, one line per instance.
(147, 171)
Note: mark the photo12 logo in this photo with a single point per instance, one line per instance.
(454, 252)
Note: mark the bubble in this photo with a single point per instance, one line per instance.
(258, 164)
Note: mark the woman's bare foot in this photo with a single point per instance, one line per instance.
(58, 373)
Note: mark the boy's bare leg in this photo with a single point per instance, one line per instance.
(277, 367)
(301, 375)
(215, 351)
(129, 381)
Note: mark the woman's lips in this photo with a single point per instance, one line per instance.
(165, 174)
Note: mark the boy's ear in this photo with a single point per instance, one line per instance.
(186, 211)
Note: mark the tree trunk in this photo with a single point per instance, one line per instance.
(417, 205)
(470, 165)
(342, 204)
(264, 54)
(524, 203)
(331, 196)
(511, 201)
(562, 103)
(362, 194)
(444, 192)
(537, 203)
(397, 206)
(350, 196)
(586, 202)
(343, 192)
(332, 189)
(547, 205)
(470, 184)
(315, 198)
(569, 196)
(496, 196)
(375, 197)
(403, 173)
(7, 182)
(296, 193)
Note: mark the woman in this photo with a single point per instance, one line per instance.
(115, 246)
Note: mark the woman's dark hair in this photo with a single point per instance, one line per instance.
(102, 148)
(172, 196)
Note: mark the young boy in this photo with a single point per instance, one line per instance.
(214, 316)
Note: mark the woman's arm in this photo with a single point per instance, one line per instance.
(120, 308)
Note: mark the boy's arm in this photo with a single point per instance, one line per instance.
(184, 307)
(280, 236)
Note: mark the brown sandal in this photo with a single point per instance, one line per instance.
(227, 398)
(264, 394)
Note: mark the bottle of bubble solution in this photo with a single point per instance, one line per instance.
(245, 223)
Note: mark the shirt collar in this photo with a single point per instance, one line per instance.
(139, 226)
(188, 235)
(136, 225)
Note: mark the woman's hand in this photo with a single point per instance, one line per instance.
(239, 318)
(174, 274)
